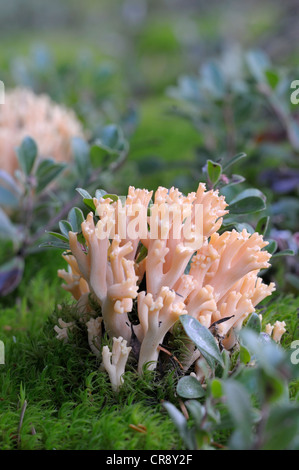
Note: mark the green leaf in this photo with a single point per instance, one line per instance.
(97, 156)
(100, 193)
(75, 218)
(284, 253)
(58, 235)
(114, 197)
(85, 194)
(235, 179)
(55, 243)
(212, 412)
(271, 247)
(262, 225)
(270, 357)
(272, 78)
(46, 172)
(293, 280)
(8, 182)
(90, 204)
(239, 406)
(282, 427)
(230, 224)
(293, 132)
(7, 198)
(111, 139)
(110, 136)
(250, 200)
(214, 171)
(257, 62)
(213, 80)
(142, 254)
(227, 364)
(80, 150)
(197, 412)
(180, 423)
(254, 323)
(65, 228)
(274, 388)
(189, 387)
(27, 153)
(8, 230)
(203, 339)
(245, 356)
(216, 388)
(234, 160)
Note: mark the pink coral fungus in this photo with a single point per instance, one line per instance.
(154, 289)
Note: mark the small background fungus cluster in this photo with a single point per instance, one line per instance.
(50, 124)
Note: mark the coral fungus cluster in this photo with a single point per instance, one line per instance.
(210, 277)
(51, 125)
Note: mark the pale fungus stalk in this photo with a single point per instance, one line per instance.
(115, 362)
(276, 331)
(62, 330)
(156, 318)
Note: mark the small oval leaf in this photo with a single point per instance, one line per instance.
(189, 387)
(75, 218)
(203, 339)
(214, 171)
(65, 228)
(27, 153)
(250, 200)
(254, 323)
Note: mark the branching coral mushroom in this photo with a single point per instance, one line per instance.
(222, 283)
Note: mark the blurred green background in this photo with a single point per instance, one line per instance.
(106, 58)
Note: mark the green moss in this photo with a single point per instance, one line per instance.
(282, 308)
(70, 403)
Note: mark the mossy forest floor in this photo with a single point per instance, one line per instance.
(70, 404)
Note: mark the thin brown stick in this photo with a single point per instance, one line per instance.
(219, 446)
(138, 428)
(171, 355)
(184, 409)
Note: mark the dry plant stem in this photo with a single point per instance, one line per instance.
(184, 409)
(138, 428)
